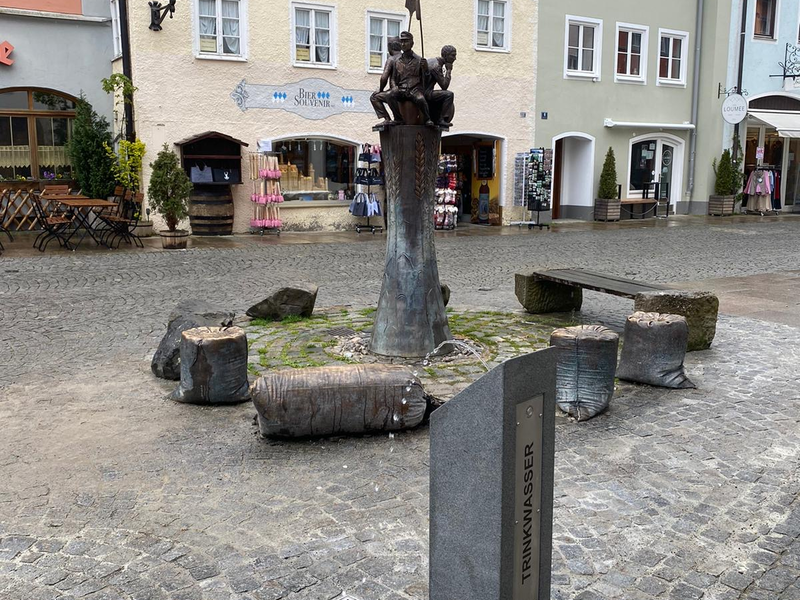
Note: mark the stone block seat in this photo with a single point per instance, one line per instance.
(653, 350)
(585, 367)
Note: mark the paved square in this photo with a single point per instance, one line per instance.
(109, 491)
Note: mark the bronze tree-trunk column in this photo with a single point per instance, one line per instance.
(411, 319)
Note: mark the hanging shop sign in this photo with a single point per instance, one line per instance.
(313, 99)
(734, 109)
(5, 51)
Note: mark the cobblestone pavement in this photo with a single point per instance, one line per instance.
(108, 491)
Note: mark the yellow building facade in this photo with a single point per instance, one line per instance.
(296, 78)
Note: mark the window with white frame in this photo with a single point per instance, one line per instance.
(492, 18)
(220, 27)
(313, 26)
(764, 26)
(115, 30)
(672, 51)
(381, 28)
(583, 43)
(631, 53)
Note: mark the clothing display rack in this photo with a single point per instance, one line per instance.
(763, 190)
(265, 174)
(535, 185)
(448, 195)
(365, 204)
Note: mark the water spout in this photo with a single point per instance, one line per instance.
(458, 344)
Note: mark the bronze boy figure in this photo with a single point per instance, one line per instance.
(440, 70)
(381, 97)
(407, 73)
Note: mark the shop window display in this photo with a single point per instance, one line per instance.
(316, 169)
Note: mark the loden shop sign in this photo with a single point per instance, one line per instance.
(313, 98)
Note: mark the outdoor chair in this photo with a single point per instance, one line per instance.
(126, 222)
(55, 190)
(5, 200)
(106, 216)
(116, 218)
(53, 227)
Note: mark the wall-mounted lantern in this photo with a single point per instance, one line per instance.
(158, 13)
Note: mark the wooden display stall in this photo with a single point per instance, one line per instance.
(213, 162)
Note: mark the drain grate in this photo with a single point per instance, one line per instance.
(341, 332)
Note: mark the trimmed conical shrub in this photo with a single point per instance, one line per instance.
(608, 178)
(727, 183)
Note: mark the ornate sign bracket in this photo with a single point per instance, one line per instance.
(730, 91)
(791, 63)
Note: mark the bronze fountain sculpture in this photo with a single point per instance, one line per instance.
(411, 320)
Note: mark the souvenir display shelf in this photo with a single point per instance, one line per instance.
(534, 183)
(448, 194)
(266, 175)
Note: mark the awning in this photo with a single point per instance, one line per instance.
(787, 123)
(637, 125)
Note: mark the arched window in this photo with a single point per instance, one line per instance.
(35, 126)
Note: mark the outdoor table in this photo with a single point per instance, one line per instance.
(81, 206)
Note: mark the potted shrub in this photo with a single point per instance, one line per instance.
(726, 186)
(169, 196)
(607, 204)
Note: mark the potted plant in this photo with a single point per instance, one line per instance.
(607, 204)
(169, 196)
(726, 186)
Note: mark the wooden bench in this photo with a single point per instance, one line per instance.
(647, 204)
(561, 290)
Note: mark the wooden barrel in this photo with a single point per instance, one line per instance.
(211, 210)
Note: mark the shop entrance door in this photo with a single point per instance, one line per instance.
(655, 161)
(780, 155)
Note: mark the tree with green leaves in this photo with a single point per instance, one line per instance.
(122, 89)
(127, 163)
(91, 164)
(169, 188)
(608, 178)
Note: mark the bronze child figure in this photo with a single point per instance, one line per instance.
(382, 97)
(441, 102)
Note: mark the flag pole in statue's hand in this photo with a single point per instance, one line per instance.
(414, 6)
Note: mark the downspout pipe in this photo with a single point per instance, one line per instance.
(125, 38)
(740, 75)
(695, 100)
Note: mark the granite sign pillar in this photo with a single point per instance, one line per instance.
(492, 451)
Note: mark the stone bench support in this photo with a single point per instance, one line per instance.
(700, 309)
(540, 296)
